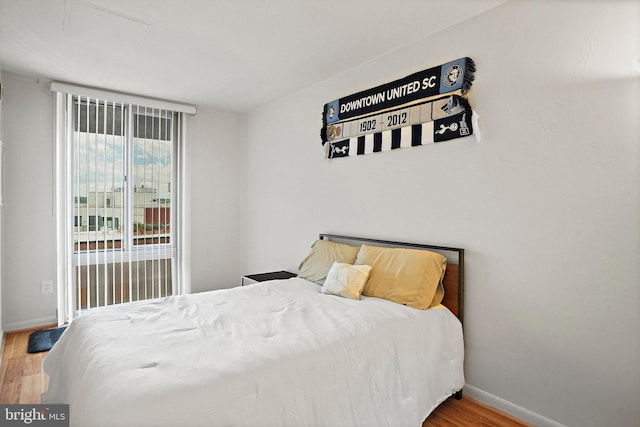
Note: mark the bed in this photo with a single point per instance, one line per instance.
(279, 353)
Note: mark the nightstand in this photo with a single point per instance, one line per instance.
(250, 279)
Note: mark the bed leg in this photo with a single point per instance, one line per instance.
(458, 394)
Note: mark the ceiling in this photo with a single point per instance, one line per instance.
(232, 55)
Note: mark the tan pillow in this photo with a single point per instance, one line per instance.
(346, 280)
(322, 256)
(406, 276)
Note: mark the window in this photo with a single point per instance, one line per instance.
(120, 220)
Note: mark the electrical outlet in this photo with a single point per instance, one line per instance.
(47, 286)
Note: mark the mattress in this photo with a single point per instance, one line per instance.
(276, 353)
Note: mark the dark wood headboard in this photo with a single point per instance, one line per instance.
(454, 276)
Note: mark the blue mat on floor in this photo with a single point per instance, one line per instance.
(44, 340)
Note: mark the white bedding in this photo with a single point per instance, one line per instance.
(276, 353)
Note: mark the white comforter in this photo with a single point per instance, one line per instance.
(271, 354)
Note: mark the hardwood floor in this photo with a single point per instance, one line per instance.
(21, 377)
(468, 412)
(22, 381)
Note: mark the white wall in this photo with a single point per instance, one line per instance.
(547, 204)
(215, 158)
(28, 235)
(216, 155)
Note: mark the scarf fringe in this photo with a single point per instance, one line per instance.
(326, 147)
(474, 124)
(469, 75)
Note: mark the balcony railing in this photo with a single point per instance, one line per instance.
(113, 283)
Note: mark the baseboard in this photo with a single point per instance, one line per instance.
(30, 324)
(510, 407)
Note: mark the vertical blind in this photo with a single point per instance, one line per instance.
(121, 201)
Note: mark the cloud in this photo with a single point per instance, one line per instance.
(99, 163)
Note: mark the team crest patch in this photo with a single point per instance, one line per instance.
(331, 112)
(452, 75)
(333, 132)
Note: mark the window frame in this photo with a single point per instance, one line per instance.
(66, 220)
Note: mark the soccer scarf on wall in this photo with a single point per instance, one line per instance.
(404, 113)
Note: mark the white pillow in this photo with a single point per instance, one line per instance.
(346, 280)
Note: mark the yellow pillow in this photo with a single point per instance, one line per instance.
(406, 276)
(322, 256)
(346, 280)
